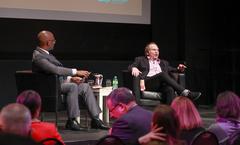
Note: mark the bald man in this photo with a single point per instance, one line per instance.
(70, 79)
(15, 119)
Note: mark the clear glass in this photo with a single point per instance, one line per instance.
(108, 83)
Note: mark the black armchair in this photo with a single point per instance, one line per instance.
(205, 138)
(147, 98)
(48, 86)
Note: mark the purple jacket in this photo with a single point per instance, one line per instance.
(132, 125)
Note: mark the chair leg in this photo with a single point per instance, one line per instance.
(56, 118)
(86, 119)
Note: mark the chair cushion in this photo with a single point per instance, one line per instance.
(151, 95)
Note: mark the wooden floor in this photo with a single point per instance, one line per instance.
(90, 136)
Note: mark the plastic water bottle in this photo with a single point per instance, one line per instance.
(115, 82)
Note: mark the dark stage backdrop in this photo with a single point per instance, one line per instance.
(75, 40)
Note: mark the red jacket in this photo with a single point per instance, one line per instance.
(43, 130)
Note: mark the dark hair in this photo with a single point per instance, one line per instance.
(164, 116)
(31, 99)
(121, 95)
(228, 105)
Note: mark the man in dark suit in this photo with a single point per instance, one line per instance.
(154, 74)
(71, 82)
(132, 121)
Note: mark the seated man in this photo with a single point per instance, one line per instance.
(15, 119)
(132, 121)
(71, 82)
(154, 74)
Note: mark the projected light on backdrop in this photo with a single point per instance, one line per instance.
(119, 11)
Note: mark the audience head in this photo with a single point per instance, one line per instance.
(228, 105)
(119, 101)
(189, 116)
(164, 116)
(32, 100)
(46, 40)
(15, 119)
(152, 50)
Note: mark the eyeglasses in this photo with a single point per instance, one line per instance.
(111, 110)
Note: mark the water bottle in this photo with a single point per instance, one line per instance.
(115, 82)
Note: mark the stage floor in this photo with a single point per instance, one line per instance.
(90, 136)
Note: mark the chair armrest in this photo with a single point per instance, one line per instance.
(45, 84)
(127, 79)
(152, 95)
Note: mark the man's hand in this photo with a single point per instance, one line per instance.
(154, 134)
(77, 80)
(135, 71)
(83, 73)
(181, 67)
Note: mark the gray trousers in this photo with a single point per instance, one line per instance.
(73, 91)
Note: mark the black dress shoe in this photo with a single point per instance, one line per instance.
(96, 123)
(194, 95)
(74, 125)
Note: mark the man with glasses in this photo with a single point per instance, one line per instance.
(132, 121)
(155, 73)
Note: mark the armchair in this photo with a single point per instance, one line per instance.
(147, 98)
(48, 86)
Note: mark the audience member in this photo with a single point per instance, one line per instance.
(228, 114)
(164, 116)
(189, 118)
(44, 62)
(132, 121)
(15, 119)
(155, 74)
(39, 130)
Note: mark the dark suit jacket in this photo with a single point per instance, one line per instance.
(132, 125)
(142, 63)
